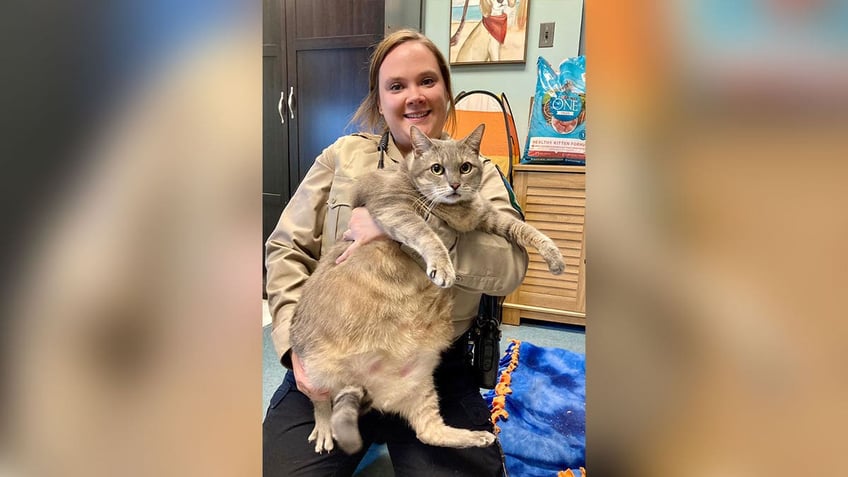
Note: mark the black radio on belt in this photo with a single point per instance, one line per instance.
(485, 337)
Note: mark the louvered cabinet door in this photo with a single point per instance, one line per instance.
(554, 201)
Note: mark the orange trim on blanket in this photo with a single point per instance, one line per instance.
(570, 473)
(502, 388)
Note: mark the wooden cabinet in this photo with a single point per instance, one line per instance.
(553, 199)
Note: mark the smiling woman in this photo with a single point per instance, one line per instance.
(409, 85)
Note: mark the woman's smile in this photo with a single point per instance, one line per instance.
(418, 116)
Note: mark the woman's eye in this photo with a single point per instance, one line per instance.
(465, 168)
(437, 169)
(394, 87)
(428, 81)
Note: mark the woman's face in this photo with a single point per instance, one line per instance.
(412, 92)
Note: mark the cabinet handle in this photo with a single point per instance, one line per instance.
(292, 102)
(280, 107)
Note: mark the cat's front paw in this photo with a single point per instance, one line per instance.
(442, 273)
(553, 257)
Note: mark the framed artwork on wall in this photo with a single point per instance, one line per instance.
(488, 31)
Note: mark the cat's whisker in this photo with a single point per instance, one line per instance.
(431, 206)
(425, 205)
(420, 204)
(441, 192)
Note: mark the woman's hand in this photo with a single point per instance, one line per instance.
(303, 383)
(361, 229)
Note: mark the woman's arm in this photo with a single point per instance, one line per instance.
(294, 247)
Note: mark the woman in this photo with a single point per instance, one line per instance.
(409, 85)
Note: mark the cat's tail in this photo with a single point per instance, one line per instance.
(348, 404)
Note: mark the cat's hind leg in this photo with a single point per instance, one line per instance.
(421, 410)
(322, 434)
(348, 404)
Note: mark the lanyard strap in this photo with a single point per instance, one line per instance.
(382, 146)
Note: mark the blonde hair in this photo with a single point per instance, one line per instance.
(368, 114)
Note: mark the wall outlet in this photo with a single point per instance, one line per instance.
(546, 35)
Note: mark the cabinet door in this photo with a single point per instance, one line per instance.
(315, 61)
(315, 58)
(275, 117)
(554, 203)
(328, 43)
(275, 121)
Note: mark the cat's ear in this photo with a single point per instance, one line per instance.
(420, 141)
(473, 140)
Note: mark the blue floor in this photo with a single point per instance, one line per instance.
(377, 463)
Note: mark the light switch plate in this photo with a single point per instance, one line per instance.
(546, 35)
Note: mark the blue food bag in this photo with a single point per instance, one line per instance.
(557, 132)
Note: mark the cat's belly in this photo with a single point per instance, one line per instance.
(387, 379)
(375, 321)
(379, 291)
(385, 361)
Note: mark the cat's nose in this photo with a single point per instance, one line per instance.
(455, 185)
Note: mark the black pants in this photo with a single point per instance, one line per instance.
(290, 420)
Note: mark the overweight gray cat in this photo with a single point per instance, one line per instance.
(371, 329)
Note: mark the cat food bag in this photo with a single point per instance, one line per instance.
(557, 131)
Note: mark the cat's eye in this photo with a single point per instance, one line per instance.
(465, 168)
(437, 169)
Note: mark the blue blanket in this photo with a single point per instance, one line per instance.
(539, 409)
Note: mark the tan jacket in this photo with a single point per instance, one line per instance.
(318, 213)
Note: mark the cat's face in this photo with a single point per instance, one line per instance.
(446, 171)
